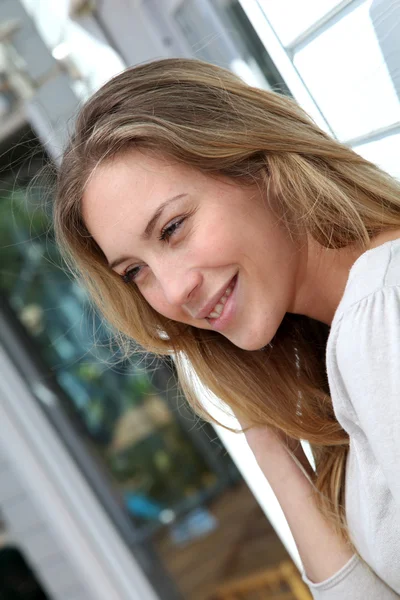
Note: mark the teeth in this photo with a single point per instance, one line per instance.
(217, 311)
(213, 315)
(219, 308)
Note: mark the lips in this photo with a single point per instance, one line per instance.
(207, 309)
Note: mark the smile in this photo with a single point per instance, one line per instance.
(224, 311)
(219, 307)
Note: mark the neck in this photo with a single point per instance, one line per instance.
(323, 274)
(322, 279)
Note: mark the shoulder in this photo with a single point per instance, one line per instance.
(365, 332)
(369, 331)
(376, 270)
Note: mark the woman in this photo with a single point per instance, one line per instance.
(216, 222)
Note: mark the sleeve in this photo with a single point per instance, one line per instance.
(368, 359)
(354, 581)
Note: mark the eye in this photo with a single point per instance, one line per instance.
(168, 231)
(130, 274)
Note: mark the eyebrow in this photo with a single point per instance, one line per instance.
(146, 235)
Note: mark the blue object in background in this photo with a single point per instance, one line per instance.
(197, 523)
(142, 506)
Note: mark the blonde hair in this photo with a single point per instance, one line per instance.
(207, 118)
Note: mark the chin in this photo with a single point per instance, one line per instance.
(250, 345)
(252, 342)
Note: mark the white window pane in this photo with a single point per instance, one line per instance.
(289, 18)
(346, 73)
(385, 153)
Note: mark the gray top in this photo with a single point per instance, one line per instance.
(363, 365)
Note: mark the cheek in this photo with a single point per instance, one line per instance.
(222, 246)
(154, 297)
(157, 301)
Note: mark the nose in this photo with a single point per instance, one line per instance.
(179, 286)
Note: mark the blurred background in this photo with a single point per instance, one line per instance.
(110, 488)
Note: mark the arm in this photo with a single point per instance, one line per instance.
(332, 571)
(321, 550)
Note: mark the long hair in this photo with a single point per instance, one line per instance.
(207, 118)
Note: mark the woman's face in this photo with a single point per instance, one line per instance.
(201, 250)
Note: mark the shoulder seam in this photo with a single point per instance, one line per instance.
(380, 289)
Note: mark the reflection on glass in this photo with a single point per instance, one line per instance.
(302, 15)
(221, 33)
(252, 51)
(346, 73)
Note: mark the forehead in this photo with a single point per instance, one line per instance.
(133, 181)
